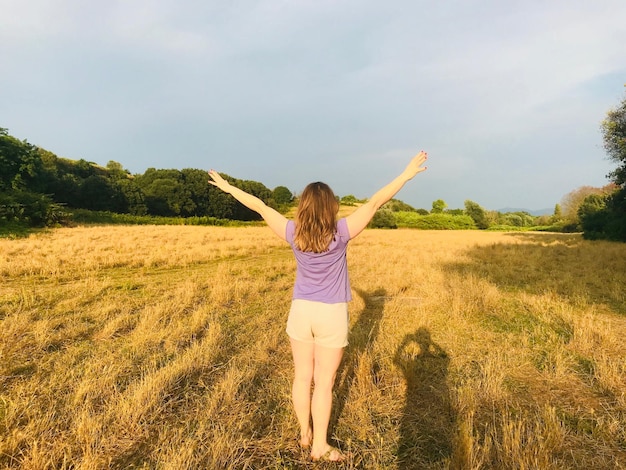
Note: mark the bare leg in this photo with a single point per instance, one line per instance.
(303, 360)
(327, 362)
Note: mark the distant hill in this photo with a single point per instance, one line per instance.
(531, 212)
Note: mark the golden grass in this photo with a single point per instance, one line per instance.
(164, 347)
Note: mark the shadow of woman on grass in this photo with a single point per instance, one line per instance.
(428, 418)
(361, 337)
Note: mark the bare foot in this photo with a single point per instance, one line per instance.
(306, 438)
(332, 454)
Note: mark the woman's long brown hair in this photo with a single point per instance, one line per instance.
(316, 218)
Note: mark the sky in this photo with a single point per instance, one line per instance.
(506, 97)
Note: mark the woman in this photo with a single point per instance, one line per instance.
(318, 319)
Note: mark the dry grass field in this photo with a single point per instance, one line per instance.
(164, 347)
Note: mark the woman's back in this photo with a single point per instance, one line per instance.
(323, 276)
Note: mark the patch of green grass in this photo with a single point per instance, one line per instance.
(563, 329)
(578, 424)
(84, 216)
(585, 367)
(510, 322)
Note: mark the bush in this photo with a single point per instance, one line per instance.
(383, 218)
(434, 221)
(604, 217)
(512, 219)
(558, 228)
(350, 200)
(31, 209)
(593, 216)
(507, 228)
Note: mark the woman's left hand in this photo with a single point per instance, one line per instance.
(217, 180)
(415, 166)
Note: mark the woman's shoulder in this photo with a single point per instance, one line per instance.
(342, 228)
(290, 230)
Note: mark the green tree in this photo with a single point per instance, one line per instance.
(570, 203)
(614, 136)
(512, 219)
(349, 200)
(133, 199)
(49, 175)
(116, 171)
(165, 193)
(20, 164)
(616, 224)
(162, 198)
(99, 194)
(477, 213)
(197, 186)
(255, 188)
(438, 206)
(66, 190)
(221, 205)
(282, 195)
(22, 183)
(83, 168)
(593, 217)
(11, 154)
(557, 215)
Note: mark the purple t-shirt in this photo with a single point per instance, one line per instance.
(322, 277)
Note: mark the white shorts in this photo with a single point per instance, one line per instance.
(319, 323)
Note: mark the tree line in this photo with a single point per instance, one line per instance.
(38, 188)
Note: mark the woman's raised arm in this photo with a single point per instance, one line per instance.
(274, 219)
(359, 219)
